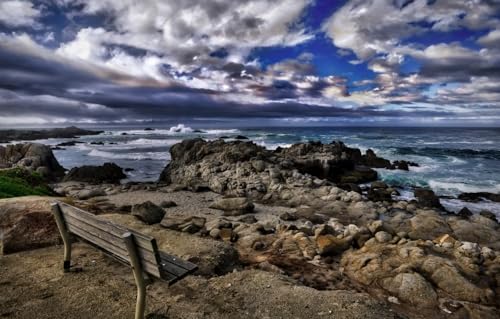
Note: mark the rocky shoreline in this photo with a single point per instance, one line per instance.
(298, 212)
(29, 135)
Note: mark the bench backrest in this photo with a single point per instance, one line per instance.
(109, 237)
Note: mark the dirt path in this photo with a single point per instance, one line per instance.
(32, 285)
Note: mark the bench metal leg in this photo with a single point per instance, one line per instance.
(56, 210)
(138, 275)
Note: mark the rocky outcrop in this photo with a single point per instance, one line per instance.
(33, 157)
(427, 198)
(107, 173)
(476, 197)
(30, 135)
(245, 169)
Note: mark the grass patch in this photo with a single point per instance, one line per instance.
(20, 182)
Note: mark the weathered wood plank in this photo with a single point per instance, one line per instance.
(146, 254)
(177, 261)
(117, 230)
(109, 237)
(121, 253)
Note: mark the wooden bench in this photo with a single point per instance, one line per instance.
(129, 247)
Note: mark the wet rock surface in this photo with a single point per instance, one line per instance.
(33, 157)
(106, 173)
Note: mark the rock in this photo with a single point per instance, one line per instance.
(331, 245)
(265, 229)
(411, 288)
(31, 231)
(107, 173)
(234, 206)
(190, 225)
(69, 143)
(324, 230)
(27, 223)
(476, 197)
(464, 212)
(448, 278)
(489, 215)
(167, 204)
(33, 157)
(428, 225)
(244, 169)
(427, 198)
(240, 137)
(29, 135)
(351, 187)
(372, 160)
(383, 237)
(379, 184)
(148, 212)
(289, 216)
(90, 193)
(227, 234)
(445, 240)
(478, 229)
(379, 195)
(375, 226)
(248, 219)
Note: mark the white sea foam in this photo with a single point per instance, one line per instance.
(179, 129)
(219, 132)
(152, 142)
(455, 205)
(462, 187)
(272, 146)
(131, 156)
(455, 160)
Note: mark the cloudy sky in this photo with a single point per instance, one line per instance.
(297, 62)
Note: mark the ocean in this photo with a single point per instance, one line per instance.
(452, 160)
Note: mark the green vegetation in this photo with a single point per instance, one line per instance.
(20, 182)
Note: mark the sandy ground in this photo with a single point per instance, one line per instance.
(32, 285)
(192, 204)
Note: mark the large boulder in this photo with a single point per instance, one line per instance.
(428, 225)
(234, 206)
(33, 157)
(476, 197)
(107, 173)
(411, 288)
(148, 212)
(427, 198)
(26, 223)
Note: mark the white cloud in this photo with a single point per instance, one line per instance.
(492, 39)
(18, 13)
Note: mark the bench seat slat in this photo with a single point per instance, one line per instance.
(109, 227)
(151, 269)
(114, 240)
(177, 261)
